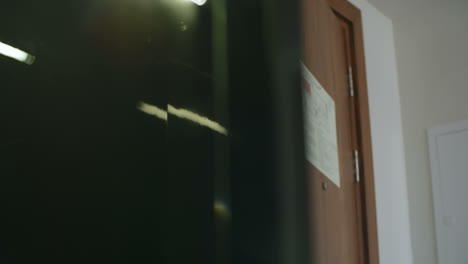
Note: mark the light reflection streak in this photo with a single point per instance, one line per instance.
(196, 118)
(152, 110)
(183, 114)
(16, 54)
(199, 2)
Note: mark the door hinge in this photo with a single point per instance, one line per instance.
(357, 172)
(351, 81)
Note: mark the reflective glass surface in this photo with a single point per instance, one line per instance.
(114, 131)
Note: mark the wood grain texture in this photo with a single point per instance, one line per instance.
(343, 220)
(353, 15)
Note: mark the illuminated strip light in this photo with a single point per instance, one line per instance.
(199, 2)
(183, 114)
(16, 54)
(152, 110)
(196, 118)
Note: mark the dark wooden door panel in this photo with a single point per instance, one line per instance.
(337, 215)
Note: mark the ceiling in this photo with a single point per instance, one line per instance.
(407, 9)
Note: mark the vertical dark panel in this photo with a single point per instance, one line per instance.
(253, 182)
(190, 219)
(268, 179)
(81, 168)
(221, 151)
(282, 31)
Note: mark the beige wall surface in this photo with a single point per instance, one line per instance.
(431, 40)
(387, 137)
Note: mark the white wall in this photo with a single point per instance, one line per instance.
(387, 138)
(448, 149)
(431, 38)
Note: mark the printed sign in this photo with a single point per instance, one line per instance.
(320, 127)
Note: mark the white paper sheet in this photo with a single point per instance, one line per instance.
(320, 127)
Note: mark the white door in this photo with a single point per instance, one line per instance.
(449, 165)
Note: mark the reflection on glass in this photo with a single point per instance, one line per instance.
(196, 118)
(152, 110)
(221, 210)
(183, 114)
(16, 54)
(199, 2)
(92, 171)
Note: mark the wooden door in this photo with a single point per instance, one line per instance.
(342, 217)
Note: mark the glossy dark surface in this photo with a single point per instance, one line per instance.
(86, 176)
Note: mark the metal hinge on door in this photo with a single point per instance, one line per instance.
(351, 81)
(357, 172)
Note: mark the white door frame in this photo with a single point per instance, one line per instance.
(439, 211)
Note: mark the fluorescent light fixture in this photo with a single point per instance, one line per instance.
(181, 113)
(16, 54)
(199, 2)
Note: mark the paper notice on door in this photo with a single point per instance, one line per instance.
(320, 127)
